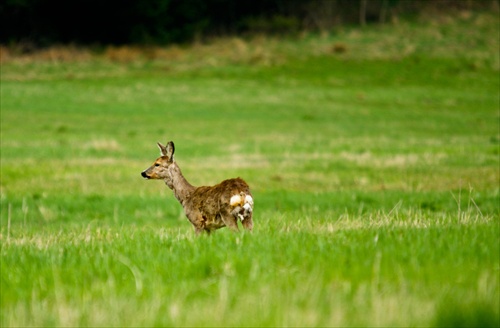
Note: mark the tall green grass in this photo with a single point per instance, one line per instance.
(375, 176)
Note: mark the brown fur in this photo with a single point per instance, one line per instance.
(207, 208)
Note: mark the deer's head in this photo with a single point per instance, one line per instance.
(159, 169)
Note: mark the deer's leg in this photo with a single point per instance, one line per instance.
(197, 221)
(199, 232)
(247, 222)
(230, 221)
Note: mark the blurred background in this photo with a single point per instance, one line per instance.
(38, 23)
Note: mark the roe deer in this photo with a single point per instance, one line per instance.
(207, 208)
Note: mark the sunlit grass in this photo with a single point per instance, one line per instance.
(325, 270)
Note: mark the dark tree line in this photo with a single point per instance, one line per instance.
(45, 22)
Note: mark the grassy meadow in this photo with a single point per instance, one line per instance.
(372, 154)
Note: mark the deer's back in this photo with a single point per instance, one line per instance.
(214, 199)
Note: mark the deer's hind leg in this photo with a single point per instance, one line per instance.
(230, 220)
(247, 222)
(241, 213)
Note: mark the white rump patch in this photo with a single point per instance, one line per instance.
(235, 200)
(248, 200)
(247, 207)
(241, 200)
(243, 205)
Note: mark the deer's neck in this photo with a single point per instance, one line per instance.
(181, 187)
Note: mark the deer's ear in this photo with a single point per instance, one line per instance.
(170, 149)
(163, 149)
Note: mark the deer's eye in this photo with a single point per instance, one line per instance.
(157, 164)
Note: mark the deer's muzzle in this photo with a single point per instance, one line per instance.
(145, 175)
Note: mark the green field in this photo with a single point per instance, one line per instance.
(372, 154)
